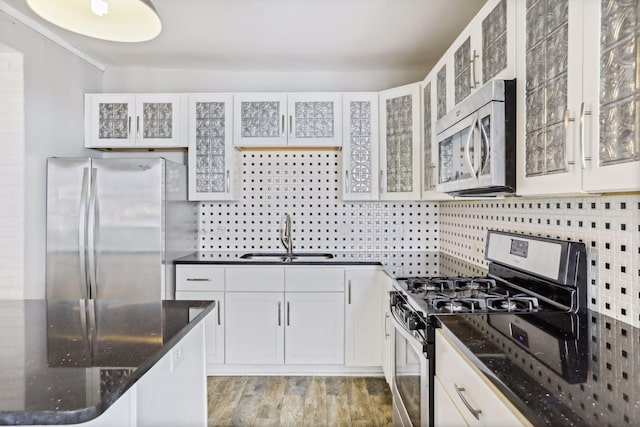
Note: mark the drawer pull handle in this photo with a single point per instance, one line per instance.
(279, 314)
(475, 412)
(349, 291)
(219, 308)
(198, 279)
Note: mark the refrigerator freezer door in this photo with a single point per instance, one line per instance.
(126, 223)
(67, 201)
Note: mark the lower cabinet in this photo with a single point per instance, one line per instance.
(363, 325)
(445, 413)
(387, 337)
(214, 323)
(477, 401)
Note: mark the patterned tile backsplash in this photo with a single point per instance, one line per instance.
(306, 185)
(608, 225)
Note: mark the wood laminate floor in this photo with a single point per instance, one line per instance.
(299, 401)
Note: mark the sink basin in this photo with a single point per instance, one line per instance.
(278, 256)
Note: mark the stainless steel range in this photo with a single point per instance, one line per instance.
(526, 275)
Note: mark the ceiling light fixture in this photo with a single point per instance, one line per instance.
(114, 20)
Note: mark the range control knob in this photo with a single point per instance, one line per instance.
(415, 323)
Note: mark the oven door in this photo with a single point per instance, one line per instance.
(410, 379)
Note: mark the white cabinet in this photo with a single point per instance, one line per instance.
(254, 328)
(191, 278)
(299, 120)
(400, 143)
(135, 120)
(484, 50)
(214, 324)
(363, 324)
(213, 161)
(478, 401)
(360, 146)
(445, 412)
(314, 332)
(577, 108)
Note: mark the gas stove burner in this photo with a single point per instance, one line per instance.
(456, 305)
(417, 285)
(474, 283)
(516, 303)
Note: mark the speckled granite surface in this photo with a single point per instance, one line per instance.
(596, 384)
(70, 360)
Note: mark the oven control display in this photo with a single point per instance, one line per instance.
(519, 335)
(519, 248)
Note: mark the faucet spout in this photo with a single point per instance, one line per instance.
(285, 234)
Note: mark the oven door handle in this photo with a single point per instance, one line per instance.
(413, 341)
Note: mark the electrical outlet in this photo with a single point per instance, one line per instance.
(177, 356)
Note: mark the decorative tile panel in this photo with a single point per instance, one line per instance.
(260, 119)
(157, 120)
(399, 173)
(314, 119)
(360, 156)
(462, 71)
(546, 86)
(113, 119)
(608, 225)
(210, 147)
(494, 42)
(441, 88)
(619, 92)
(428, 139)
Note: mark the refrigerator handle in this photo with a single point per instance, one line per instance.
(82, 233)
(92, 326)
(91, 235)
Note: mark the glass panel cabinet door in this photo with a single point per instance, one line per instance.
(315, 119)
(610, 139)
(157, 120)
(494, 42)
(360, 146)
(213, 170)
(109, 120)
(400, 143)
(260, 119)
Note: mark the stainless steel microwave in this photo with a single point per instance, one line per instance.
(477, 143)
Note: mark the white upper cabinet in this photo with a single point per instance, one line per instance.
(135, 120)
(360, 146)
(213, 163)
(577, 109)
(400, 143)
(485, 50)
(278, 120)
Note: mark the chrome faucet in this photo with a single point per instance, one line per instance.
(285, 234)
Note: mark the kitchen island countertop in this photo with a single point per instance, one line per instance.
(66, 362)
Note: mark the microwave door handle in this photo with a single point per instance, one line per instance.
(484, 140)
(466, 147)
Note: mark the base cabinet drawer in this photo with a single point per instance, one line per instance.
(479, 402)
(199, 278)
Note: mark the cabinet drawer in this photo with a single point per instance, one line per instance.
(199, 278)
(255, 279)
(463, 382)
(314, 279)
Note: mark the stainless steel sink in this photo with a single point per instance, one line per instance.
(277, 256)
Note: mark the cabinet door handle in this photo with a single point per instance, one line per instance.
(386, 324)
(567, 119)
(288, 315)
(433, 176)
(349, 291)
(282, 130)
(219, 308)
(279, 314)
(228, 182)
(474, 59)
(198, 279)
(129, 127)
(583, 113)
(475, 412)
(346, 181)
(290, 127)
(380, 180)
(138, 127)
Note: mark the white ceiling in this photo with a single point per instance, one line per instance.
(287, 35)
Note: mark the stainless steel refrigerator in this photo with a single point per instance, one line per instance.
(115, 226)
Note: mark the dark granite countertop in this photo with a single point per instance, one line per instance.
(595, 384)
(395, 263)
(58, 366)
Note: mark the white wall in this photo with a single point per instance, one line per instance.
(11, 174)
(54, 82)
(177, 80)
